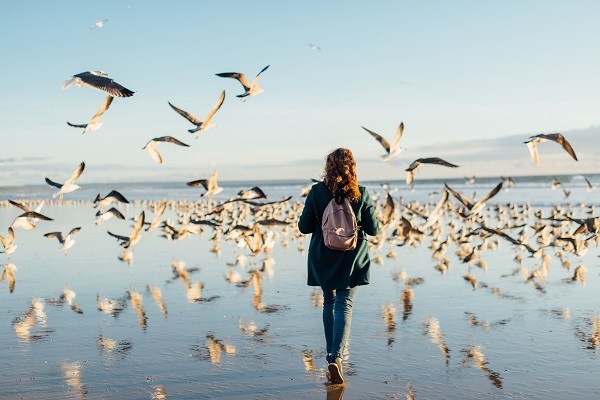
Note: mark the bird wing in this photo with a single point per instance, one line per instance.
(105, 104)
(150, 147)
(388, 209)
(203, 182)
(138, 224)
(216, 107)
(170, 139)
(82, 126)
(263, 70)
(588, 182)
(118, 196)
(77, 172)
(21, 206)
(105, 84)
(492, 193)
(398, 135)
(414, 165)
(410, 177)
(193, 119)
(436, 213)
(10, 236)
(466, 202)
(33, 214)
(379, 138)
(122, 238)
(439, 161)
(52, 183)
(116, 213)
(237, 75)
(560, 139)
(75, 231)
(58, 235)
(532, 146)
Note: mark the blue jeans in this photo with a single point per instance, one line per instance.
(337, 317)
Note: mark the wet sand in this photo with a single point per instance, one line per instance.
(254, 331)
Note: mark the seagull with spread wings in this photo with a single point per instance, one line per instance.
(533, 141)
(210, 184)
(415, 164)
(135, 236)
(392, 150)
(151, 146)
(201, 126)
(113, 196)
(101, 217)
(473, 208)
(98, 80)
(66, 241)
(8, 242)
(69, 184)
(95, 122)
(251, 89)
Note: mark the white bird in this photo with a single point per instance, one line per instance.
(157, 216)
(98, 80)
(107, 200)
(210, 184)
(474, 207)
(251, 89)
(151, 148)
(69, 185)
(8, 242)
(410, 175)
(533, 141)
(135, 235)
(66, 241)
(95, 122)
(392, 150)
(201, 125)
(101, 217)
(99, 24)
(314, 46)
(28, 219)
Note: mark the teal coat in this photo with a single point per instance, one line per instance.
(334, 269)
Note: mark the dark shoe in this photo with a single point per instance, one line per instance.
(336, 376)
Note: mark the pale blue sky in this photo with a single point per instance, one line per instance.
(452, 71)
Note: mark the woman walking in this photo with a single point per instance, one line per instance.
(338, 273)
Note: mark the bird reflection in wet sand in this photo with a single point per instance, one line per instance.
(159, 393)
(23, 324)
(108, 345)
(308, 360)
(477, 358)
(110, 306)
(215, 349)
(407, 297)
(72, 373)
(433, 329)
(474, 321)
(66, 297)
(157, 296)
(590, 340)
(389, 318)
(136, 303)
(8, 274)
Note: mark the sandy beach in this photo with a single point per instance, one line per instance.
(201, 317)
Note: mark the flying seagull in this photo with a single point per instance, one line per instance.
(252, 194)
(105, 216)
(28, 219)
(210, 184)
(69, 185)
(419, 161)
(8, 242)
(107, 200)
(95, 122)
(201, 125)
(533, 141)
(314, 46)
(251, 89)
(590, 187)
(150, 147)
(473, 208)
(66, 241)
(98, 80)
(128, 241)
(391, 150)
(99, 24)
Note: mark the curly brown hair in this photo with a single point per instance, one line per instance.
(340, 174)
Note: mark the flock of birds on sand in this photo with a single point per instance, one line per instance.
(255, 226)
